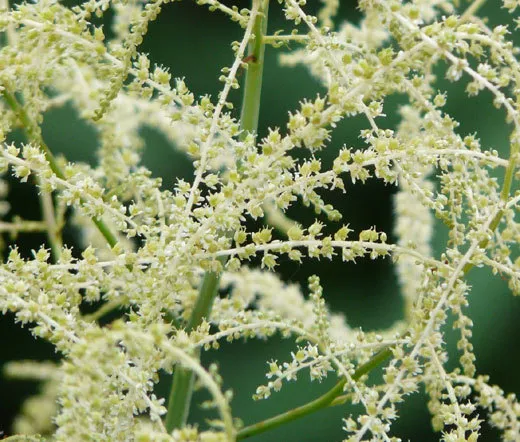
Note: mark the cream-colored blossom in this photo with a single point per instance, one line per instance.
(147, 251)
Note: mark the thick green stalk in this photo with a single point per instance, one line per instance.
(253, 84)
(182, 384)
(323, 401)
(181, 389)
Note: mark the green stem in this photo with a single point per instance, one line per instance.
(180, 399)
(323, 401)
(253, 85)
(504, 196)
(110, 237)
(53, 231)
(278, 39)
(508, 176)
(33, 133)
(106, 308)
(182, 384)
(47, 204)
(22, 226)
(46, 199)
(472, 9)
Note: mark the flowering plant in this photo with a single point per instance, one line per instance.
(173, 263)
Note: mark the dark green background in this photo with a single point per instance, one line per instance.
(194, 43)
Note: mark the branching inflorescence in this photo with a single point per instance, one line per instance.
(159, 257)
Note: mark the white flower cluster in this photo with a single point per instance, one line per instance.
(158, 257)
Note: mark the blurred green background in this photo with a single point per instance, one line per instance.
(195, 44)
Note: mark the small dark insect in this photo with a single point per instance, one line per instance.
(249, 59)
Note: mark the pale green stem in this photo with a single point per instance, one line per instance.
(33, 134)
(22, 226)
(106, 308)
(504, 195)
(472, 9)
(276, 40)
(253, 84)
(49, 216)
(323, 401)
(10, 29)
(32, 131)
(182, 384)
(276, 218)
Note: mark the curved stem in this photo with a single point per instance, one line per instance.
(47, 205)
(106, 308)
(182, 384)
(472, 9)
(323, 401)
(33, 133)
